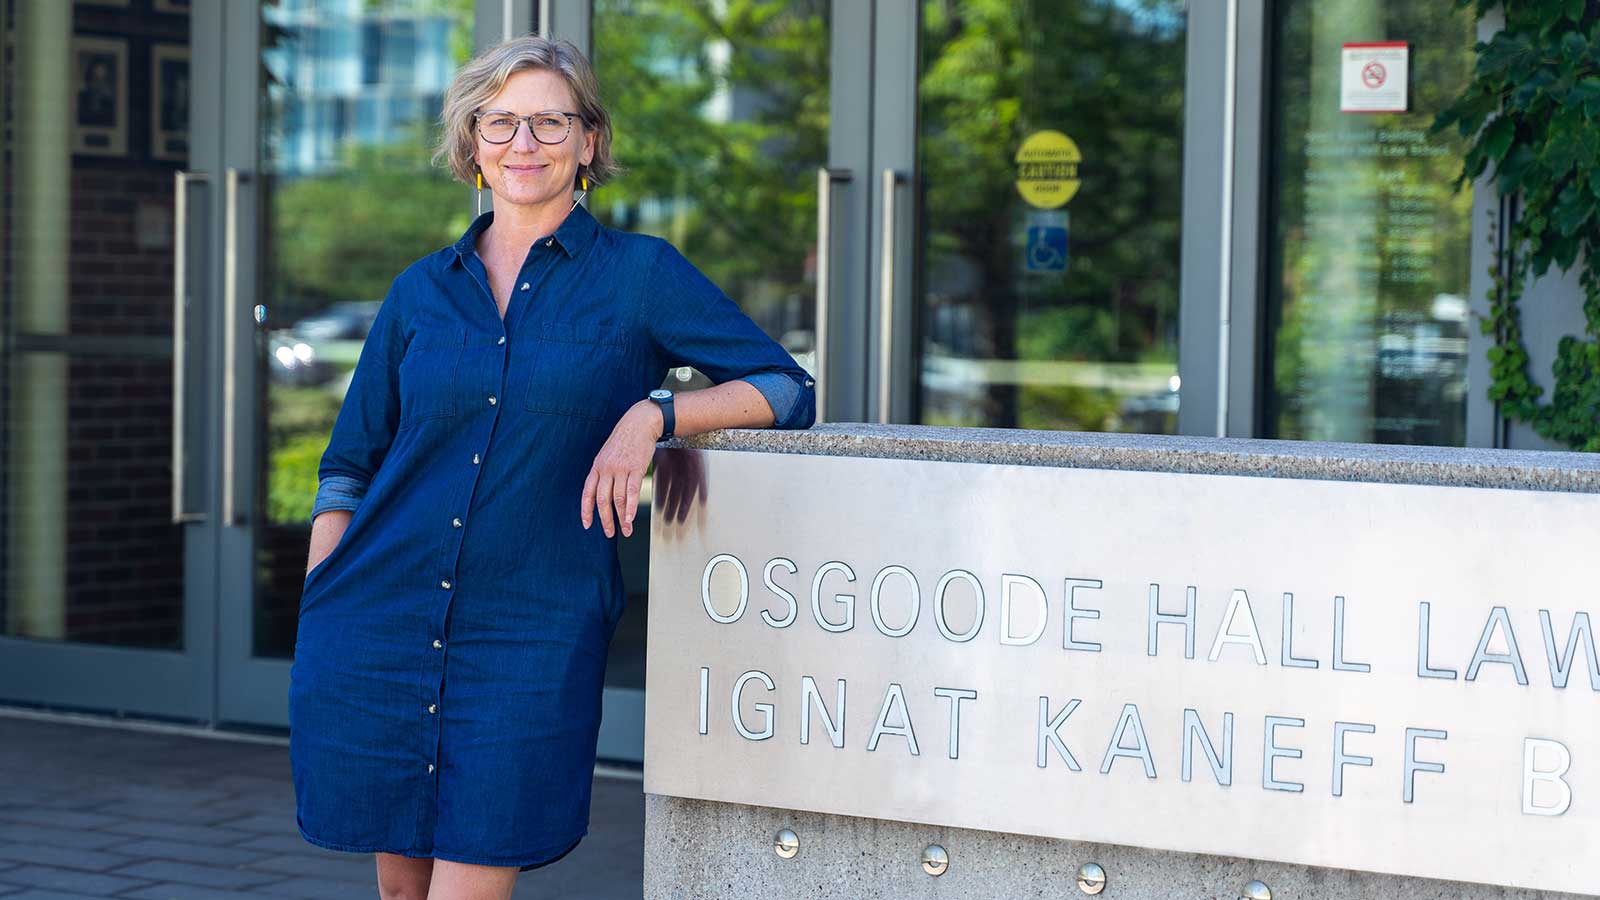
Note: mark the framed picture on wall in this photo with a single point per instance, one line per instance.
(99, 96)
(169, 102)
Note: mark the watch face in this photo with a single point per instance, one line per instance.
(660, 394)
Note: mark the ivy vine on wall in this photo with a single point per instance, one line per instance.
(1532, 113)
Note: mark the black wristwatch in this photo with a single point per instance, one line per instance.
(663, 399)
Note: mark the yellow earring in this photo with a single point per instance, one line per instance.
(480, 181)
(585, 180)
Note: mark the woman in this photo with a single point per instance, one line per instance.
(444, 699)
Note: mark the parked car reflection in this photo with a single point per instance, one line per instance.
(324, 347)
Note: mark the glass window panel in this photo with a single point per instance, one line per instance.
(1368, 272)
(350, 199)
(90, 553)
(1040, 307)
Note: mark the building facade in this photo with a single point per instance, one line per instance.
(1148, 216)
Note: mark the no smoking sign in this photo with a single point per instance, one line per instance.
(1374, 77)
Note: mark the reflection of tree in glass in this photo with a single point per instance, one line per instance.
(343, 234)
(720, 113)
(1110, 75)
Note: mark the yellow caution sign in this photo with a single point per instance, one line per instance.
(1047, 169)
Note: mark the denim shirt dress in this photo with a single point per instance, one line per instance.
(444, 699)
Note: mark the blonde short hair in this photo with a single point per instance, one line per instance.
(485, 74)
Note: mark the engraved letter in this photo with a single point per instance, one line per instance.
(1286, 655)
(764, 708)
(1250, 637)
(794, 608)
(894, 698)
(876, 603)
(1342, 759)
(1009, 585)
(1158, 618)
(1498, 619)
(1412, 765)
(938, 605)
(1339, 664)
(1050, 734)
(1221, 765)
(1532, 774)
(705, 702)
(1068, 642)
(705, 588)
(1423, 669)
(848, 601)
(1271, 751)
(811, 697)
(1140, 750)
(955, 696)
(1580, 631)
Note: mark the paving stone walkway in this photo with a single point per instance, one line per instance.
(95, 811)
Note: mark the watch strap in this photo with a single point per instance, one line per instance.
(668, 417)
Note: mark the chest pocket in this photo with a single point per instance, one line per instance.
(575, 370)
(428, 373)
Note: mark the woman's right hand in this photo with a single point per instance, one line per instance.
(326, 531)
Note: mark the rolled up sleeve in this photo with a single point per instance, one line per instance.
(691, 322)
(365, 426)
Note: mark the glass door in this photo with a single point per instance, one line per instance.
(108, 568)
(1027, 179)
(326, 193)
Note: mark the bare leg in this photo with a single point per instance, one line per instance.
(402, 877)
(464, 881)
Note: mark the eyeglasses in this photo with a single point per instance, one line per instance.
(497, 126)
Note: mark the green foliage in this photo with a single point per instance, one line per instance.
(1533, 113)
(293, 480)
(346, 235)
(302, 418)
(720, 117)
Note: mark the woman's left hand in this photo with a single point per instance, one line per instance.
(614, 479)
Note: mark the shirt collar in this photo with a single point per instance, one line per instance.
(573, 235)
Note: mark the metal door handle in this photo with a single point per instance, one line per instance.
(180, 330)
(826, 179)
(891, 180)
(230, 319)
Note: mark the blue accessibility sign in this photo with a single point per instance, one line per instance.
(1047, 248)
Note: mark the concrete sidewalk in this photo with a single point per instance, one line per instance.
(97, 811)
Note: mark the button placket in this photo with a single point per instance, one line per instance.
(453, 560)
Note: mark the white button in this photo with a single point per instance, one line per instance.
(524, 285)
(474, 459)
(433, 707)
(456, 522)
(430, 767)
(437, 644)
(492, 401)
(445, 585)
(502, 339)
(549, 241)
(809, 382)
